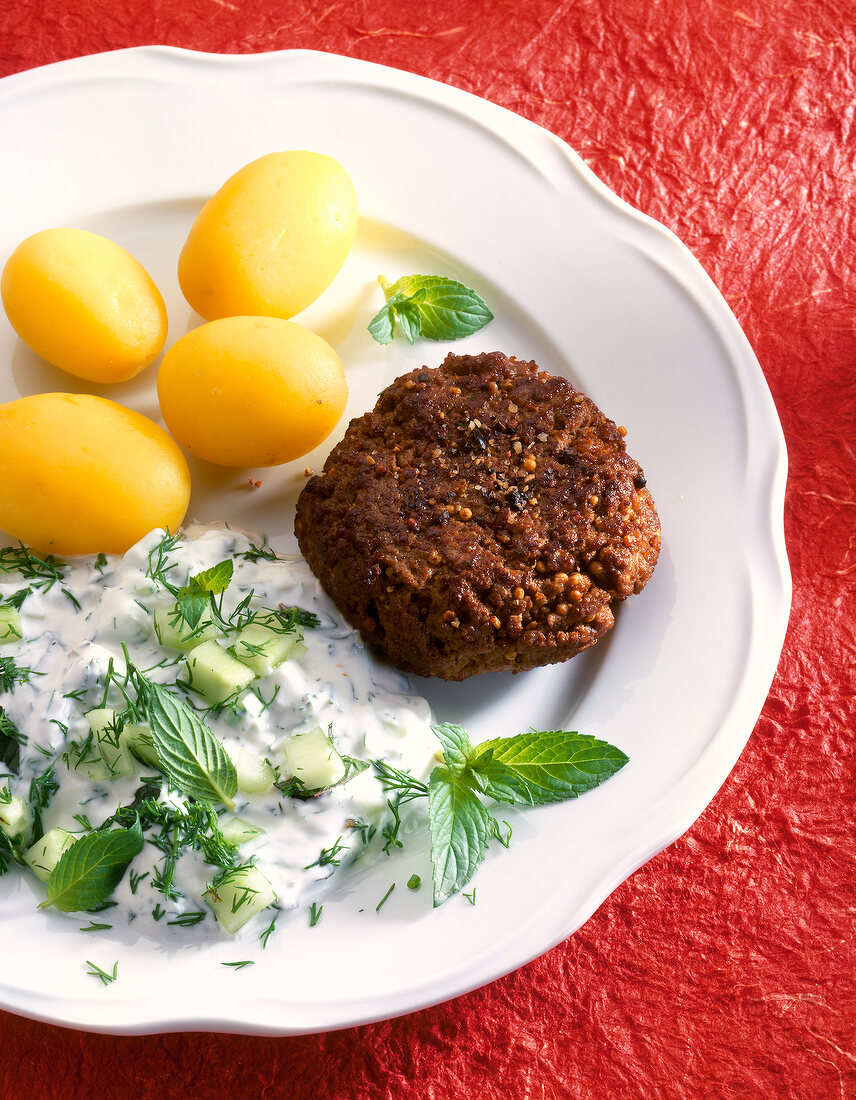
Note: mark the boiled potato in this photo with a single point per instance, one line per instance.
(81, 475)
(251, 391)
(85, 304)
(271, 239)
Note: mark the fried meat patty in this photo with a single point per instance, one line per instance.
(484, 516)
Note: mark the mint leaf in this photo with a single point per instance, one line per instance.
(448, 309)
(193, 598)
(91, 869)
(432, 306)
(460, 831)
(191, 607)
(192, 758)
(456, 745)
(216, 579)
(408, 316)
(382, 324)
(535, 768)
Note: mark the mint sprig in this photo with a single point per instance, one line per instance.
(191, 756)
(532, 769)
(90, 870)
(195, 596)
(432, 306)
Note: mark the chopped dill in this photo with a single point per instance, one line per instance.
(268, 932)
(329, 856)
(383, 899)
(188, 920)
(104, 977)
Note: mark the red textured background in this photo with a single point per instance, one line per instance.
(726, 967)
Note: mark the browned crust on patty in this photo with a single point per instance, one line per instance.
(484, 516)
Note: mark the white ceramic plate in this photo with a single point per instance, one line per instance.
(130, 144)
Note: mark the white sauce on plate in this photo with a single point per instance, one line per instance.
(335, 684)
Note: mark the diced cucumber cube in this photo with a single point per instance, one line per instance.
(112, 745)
(255, 776)
(173, 633)
(313, 759)
(238, 896)
(45, 854)
(215, 673)
(10, 625)
(141, 744)
(14, 816)
(96, 769)
(262, 645)
(237, 830)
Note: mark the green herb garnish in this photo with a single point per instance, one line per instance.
(11, 851)
(196, 827)
(460, 830)
(260, 553)
(193, 759)
(268, 932)
(42, 789)
(104, 977)
(196, 595)
(159, 564)
(383, 899)
(532, 769)
(188, 920)
(18, 598)
(364, 828)
(12, 674)
(329, 856)
(405, 788)
(11, 741)
(91, 869)
(42, 573)
(431, 306)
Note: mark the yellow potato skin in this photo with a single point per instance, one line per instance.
(82, 475)
(272, 239)
(251, 391)
(84, 303)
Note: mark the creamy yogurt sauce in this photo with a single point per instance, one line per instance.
(72, 630)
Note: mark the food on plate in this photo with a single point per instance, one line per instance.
(271, 239)
(196, 719)
(432, 306)
(251, 391)
(484, 516)
(84, 304)
(173, 745)
(80, 474)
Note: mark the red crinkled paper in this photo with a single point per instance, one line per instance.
(725, 966)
